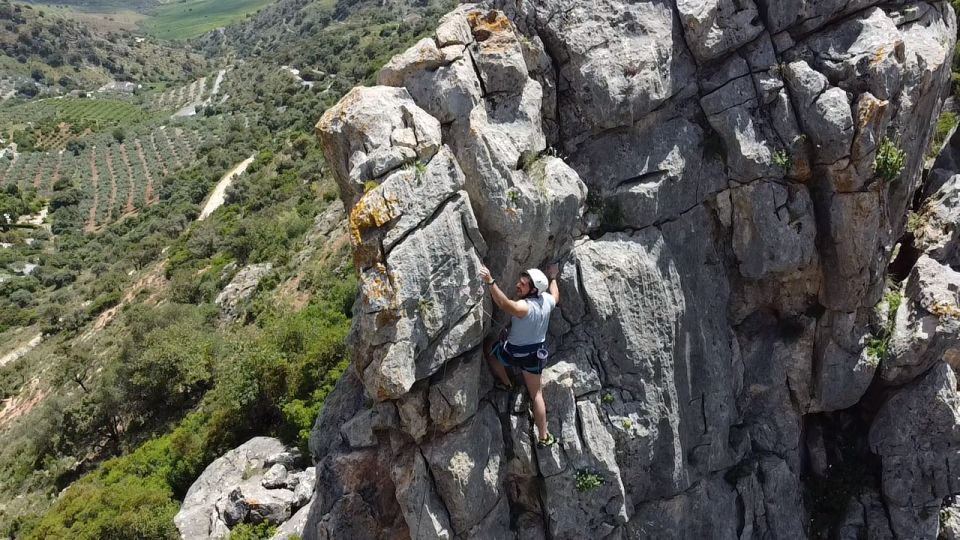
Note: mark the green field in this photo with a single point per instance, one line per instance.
(191, 18)
(96, 111)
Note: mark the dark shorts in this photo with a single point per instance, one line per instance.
(522, 357)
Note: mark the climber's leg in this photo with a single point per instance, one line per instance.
(496, 365)
(535, 389)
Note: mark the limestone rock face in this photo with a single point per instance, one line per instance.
(916, 435)
(705, 172)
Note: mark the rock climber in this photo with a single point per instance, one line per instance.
(524, 346)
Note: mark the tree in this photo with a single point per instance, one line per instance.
(11, 208)
(27, 89)
(22, 297)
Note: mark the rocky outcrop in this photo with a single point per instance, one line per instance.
(260, 481)
(239, 290)
(707, 173)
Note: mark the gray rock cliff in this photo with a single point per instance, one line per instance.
(706, 173)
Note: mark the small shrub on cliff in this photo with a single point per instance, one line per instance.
(945, 123)
(878, 346)
(782, 159)
(248, 531)
(915, 222)
(588, 480)
(890, 160)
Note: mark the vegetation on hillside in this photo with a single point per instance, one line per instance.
(47, 54)
(137, 385)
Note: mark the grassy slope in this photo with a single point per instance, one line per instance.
(196, 17)
(95, 6)
(102, 20)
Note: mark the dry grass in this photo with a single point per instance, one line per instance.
(98, 22)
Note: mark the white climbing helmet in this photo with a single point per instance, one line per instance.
(538, 279)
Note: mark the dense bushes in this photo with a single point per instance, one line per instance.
(266, 378)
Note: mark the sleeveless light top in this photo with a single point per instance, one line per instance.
(532, 328)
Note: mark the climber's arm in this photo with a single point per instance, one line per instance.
(516, 308)
(552, 271)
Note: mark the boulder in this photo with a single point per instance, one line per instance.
(275, 477)
(293, 527)
(926, 327)
(306, 482)
(365, 120)
(239, 290)
(198, 516)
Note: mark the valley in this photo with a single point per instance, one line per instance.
(124, 372)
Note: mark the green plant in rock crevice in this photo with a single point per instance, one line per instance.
(889, 161)
(782, 159)
(878, 346)
(588, 480)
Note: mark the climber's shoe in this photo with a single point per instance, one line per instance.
(547, 441)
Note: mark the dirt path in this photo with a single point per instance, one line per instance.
(113, 187)
(130, 180)
(56, 170)
(216, 197)
(147, 191)
(95, 179)
(21, 351)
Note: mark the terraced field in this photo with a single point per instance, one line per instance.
(97, 112)
(200, 91)
(116, 179)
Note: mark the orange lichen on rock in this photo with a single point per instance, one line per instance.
(487, 25)
(377, 287)
(372, 211)
(870, 114)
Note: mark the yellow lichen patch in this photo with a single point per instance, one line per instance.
(878, 56)
(377, 288)
(869, 111)
(487, 25)
(371, 211)
(945, 311)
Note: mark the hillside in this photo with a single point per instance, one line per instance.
(46, 54)
(124, 372)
